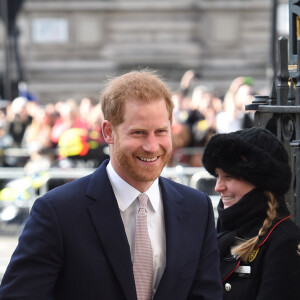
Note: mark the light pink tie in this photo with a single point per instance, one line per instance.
(143, 257)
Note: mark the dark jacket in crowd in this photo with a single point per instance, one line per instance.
(273, 269)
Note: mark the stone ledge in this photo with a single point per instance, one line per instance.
(105, 6)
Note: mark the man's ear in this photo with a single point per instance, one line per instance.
(108, 132)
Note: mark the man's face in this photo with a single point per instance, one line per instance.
(141, 146)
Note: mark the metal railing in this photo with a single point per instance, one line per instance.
(27, 191)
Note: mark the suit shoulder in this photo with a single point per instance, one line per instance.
(78, 187)
(186, 191)
(73, 186)
(67, 192)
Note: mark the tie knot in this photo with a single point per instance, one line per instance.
(143, 198)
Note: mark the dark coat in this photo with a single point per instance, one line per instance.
(74, 246)
(274, 270)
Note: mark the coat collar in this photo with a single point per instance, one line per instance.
(249, 212)
(175, 217)
(108, 224)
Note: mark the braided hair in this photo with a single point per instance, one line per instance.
(244, 247)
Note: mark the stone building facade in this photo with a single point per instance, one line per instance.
(68, 48)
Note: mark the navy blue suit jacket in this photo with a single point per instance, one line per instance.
(74, 246)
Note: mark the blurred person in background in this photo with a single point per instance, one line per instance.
(194, 120)
(82, 144)
(18, 120)
(6, 142)
(69, 117)
(258, 242)
(181, 132)
(208, 106)
(195, 113)
(37, 139)
(37, 135)
(234, 117)
(98, 148)
(86, 106)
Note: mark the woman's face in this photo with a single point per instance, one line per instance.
(231, 189)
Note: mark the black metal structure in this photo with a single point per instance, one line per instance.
(280, 111)
(9, 10)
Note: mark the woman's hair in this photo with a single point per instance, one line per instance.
(244, 247)
(144, 86)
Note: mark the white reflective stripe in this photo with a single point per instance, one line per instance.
(243, 270)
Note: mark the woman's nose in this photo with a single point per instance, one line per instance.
(219, 187)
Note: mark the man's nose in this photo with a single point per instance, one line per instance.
(151, 143)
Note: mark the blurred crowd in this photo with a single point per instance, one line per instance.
(49, 134)
(199, 113)
(68, 133)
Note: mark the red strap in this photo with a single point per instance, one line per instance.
(273, 229)
(258, 245)
(232, 271)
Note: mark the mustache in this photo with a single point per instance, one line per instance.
(150, 154)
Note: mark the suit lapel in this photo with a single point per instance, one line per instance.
(174, 222)
(107, 220)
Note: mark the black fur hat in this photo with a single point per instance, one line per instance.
(254, 154)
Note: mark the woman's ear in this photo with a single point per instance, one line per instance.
(108, 132)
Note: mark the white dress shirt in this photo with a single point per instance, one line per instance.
(128, 204)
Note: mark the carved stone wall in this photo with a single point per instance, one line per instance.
(69, 47)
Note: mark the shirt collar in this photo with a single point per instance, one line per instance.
(126, 194)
